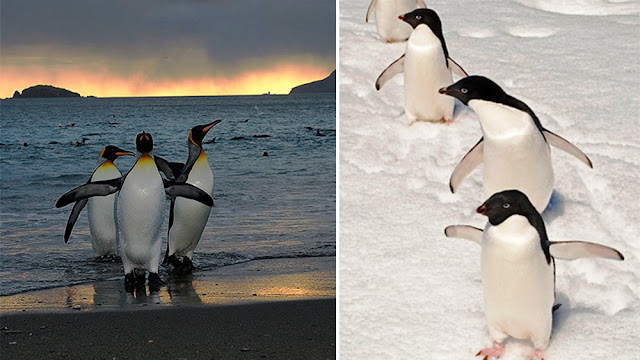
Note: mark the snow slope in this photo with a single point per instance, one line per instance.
(406, 291)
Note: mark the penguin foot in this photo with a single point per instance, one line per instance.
(129, 282)
(448, 121)
(495, 351)
(537, 355)
(139, 279)
(155, 282)
(182, 265)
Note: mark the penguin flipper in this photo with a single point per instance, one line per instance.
(171, 216)
(370, 10)
(421, 4)
(564, 145)
(164, 167)
(470, 161)
(466, 232)
(188, 191)
(571, 250)
(97, 188)
(457, 69)
(392, 70)
(73, 217)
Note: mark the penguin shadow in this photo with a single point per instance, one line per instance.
(181, 290)
(555, 208)
(561, 315)
(140, 297)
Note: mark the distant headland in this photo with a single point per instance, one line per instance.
(44, 91)
(326, 85)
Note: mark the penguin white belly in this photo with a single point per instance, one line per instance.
(516, 155)
(140, 213)
(518, 283)
(387, 23)
(425, 71)
(190, 216)
(101, 212)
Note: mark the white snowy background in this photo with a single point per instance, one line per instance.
(408, 292)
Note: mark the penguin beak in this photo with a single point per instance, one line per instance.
(210, 125)
(481, 210)
(401, 17)
(124, 152)
(443, 90)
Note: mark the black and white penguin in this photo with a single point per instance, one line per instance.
(139, 212)
(518, 269)
(390, 28)
(427, 67)
(514, 147)
(101, 214)
(187, 218)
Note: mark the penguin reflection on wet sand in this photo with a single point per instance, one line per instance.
(102, 221)
(518, 269)
(514, 147)
(139, 212)
(427, 67)
(187, 218)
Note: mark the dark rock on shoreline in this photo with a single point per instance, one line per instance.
(44, 91)
(326, 85)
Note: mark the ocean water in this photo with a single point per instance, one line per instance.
(276, 206)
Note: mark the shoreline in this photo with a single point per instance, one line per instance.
(282, 329)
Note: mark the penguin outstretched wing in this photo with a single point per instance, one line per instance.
(73, 217)
(571, 250)
(170, 169)
(175, 189)
(564, 145)
(97, 188)
(392, 70)
(470, 161)
(456, 68)
(466, 232)
(370, 10)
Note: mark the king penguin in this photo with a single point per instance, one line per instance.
(139, 212)
(518, 269)
(187, 218)
(427, 67)
(514, 147)
(102, 223)
(390, 28)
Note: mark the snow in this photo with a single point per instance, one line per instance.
(406, 291)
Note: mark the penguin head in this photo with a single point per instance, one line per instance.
(500, 206)
(197, 133)
(144, 143)
(111, 152)
(474, 88)
(423, 16)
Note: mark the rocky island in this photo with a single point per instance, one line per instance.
(326, 85)
(44, 91)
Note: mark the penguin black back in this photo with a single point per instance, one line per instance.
(432, 20)
(500, 206)
(144, 143)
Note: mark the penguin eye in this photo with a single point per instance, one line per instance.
(418, 17)
(506, 205)
(464, 90)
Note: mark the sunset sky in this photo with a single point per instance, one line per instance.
(165, 47)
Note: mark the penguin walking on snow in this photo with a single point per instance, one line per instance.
(427, 67)
(388, 25)
(187, 218)
(139, 212)
(518, 269)
(102, 222)
(514, 147)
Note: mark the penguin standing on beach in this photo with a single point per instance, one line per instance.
(514, 147)
(101, 209)
(427, 67)
(388, 25)
(187, 218)
(139, 212)
(518, 269)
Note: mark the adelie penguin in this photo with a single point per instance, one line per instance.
(514, 147)
(102, 222)
(427, 67)
(518, 269)
(139, 212)
(390, 28)
(187, 218)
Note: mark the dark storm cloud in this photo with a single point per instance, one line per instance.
(230, 31)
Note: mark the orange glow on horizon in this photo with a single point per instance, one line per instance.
(278, 79)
